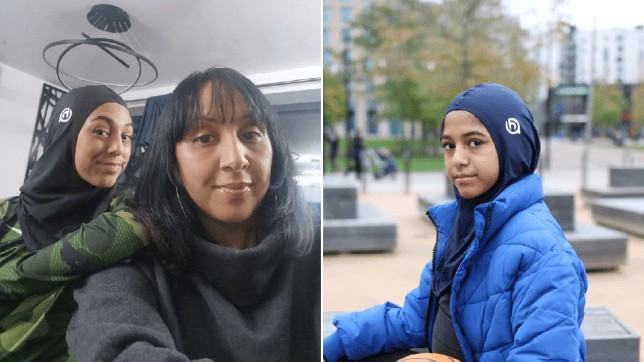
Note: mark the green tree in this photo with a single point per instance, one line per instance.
(334, 98)
(608, 103)
(419, 55)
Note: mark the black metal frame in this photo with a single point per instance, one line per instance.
(48, 99)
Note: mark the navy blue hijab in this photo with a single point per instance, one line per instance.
(54, 199)
(511, 126)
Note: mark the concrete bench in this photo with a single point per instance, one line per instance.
(623, 182)
(607, 337)
(370, 231)
(352, 226)
(626, 176)
(622, 214)
(340, 199)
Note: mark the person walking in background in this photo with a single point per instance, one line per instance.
(355, 153)
(332, 137)
(503, 284)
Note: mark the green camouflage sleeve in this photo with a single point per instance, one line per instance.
(112, 237)
(36, 299)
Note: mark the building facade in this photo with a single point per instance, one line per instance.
(339, 51)
(617, 57)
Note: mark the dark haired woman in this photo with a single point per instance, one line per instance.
(238, 278)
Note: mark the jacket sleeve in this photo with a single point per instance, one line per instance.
(111, 237)
(548, 307)
(382, 328)
(118, 319)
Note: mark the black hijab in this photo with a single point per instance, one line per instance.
(54, 199)
(511, 126)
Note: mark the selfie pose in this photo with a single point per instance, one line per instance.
(237, 276)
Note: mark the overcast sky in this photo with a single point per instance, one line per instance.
(606, 14)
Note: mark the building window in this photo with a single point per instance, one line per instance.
(325, 15)
(345, 14)
(395, 128)
(325, 37)
(372, 119)
(326, 58)
(346, 35)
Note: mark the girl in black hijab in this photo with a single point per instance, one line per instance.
(86, 150)
(55, 199)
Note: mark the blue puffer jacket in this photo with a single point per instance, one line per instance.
(518, 295)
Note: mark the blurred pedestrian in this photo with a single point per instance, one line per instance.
(332, 137)
(356, 154)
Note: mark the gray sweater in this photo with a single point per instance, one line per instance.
(233, 305)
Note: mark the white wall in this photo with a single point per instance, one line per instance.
(19, 97)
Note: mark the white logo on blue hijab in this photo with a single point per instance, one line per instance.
(512, 126)
(65, 115)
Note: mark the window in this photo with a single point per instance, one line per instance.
(345, 14)
(325, 37)
(326, 58)
(346, 35)
(372, 118)
(395, 128)
(325, 15)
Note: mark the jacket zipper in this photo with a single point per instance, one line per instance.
(429, 298)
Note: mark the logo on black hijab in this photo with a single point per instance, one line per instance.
(512, 126)
(65, 115)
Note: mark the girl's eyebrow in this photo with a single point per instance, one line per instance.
(107, 119)
(467, 134)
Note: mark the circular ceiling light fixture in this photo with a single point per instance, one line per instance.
(94, 60)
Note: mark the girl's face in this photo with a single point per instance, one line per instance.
(225, 166)
(471, 161)
(103, 145)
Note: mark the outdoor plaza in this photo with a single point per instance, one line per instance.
(603, 225)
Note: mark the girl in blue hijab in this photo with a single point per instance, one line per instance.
(503, 284)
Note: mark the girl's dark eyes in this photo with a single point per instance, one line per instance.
(472, 143)
(100, 132)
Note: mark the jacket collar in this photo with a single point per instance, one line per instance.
(513, 199)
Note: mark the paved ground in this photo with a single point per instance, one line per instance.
(357, 281)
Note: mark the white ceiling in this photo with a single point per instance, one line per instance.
(276, 41)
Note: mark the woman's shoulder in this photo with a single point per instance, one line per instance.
(136, 275)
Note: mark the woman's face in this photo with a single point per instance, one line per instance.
(471, 161)
(103, 145)
(225, 166)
